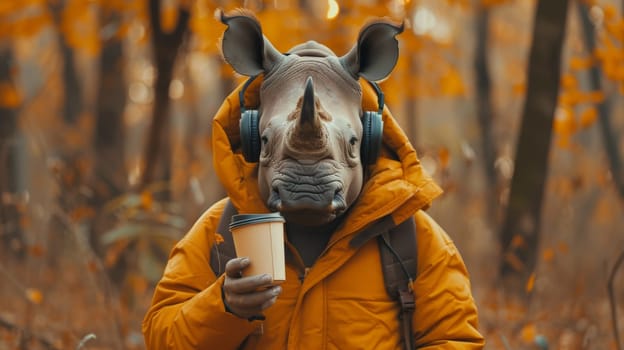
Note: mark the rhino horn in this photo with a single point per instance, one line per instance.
(308, 108)
(308, 132)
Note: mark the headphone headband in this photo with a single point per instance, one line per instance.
(380, 96)
(241, 94)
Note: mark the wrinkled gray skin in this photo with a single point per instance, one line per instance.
(310, 106)
(310, 168)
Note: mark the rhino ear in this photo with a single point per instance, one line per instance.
(243, 45)
(376, 52)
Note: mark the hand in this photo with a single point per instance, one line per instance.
(247, 297)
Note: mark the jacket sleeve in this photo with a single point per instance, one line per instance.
(446, 314)
(187, 310)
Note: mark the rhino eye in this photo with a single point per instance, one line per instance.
(353, 140)
(265, 140)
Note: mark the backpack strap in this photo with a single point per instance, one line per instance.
(398, 251)
(222, 252)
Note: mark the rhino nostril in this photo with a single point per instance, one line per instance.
(275, 202)
(338, 203)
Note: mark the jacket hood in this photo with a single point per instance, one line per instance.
(396, 185)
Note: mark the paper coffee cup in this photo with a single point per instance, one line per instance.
(260, 237)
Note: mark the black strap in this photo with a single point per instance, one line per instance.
(398, 251)
(223, 252)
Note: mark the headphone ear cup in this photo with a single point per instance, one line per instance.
(372, 126)
(250, 135)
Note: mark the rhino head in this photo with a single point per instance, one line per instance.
(310, 107)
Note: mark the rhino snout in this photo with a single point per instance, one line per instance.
(288, 197)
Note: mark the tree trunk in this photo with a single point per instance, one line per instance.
(109, 177)
(110, 172)
(11, 238)
(166, 47)
(604, 109)
(72, 95)
(520, 234)
(484, 113)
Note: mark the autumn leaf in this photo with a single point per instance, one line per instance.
(569, 81)
(548, 255)
(147, 200)
(564, 123)
(577, 63)
(528, 333)
(115, 252)
(518, 241)
(36, 250)
(519, 89)
(92, 266)
(514, 261)
(81, 212)
(25, 222)
(444, 157)
(530, 283)
(138, 283)
(491, 3)
(588, 117)
(34, 295)
(610, 12)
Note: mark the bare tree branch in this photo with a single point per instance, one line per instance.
(27, 335)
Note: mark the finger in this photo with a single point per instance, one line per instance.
(276, 291)
(234, 267)
(269, 303)
(248, 284)
(253, 303)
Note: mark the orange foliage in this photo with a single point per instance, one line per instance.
(9, 96)
(451, 83)
(578, 63)
(168, 16)
(206, 28)
(564, 123)
(490, 3)
(609, 52)
(79, 25)
(23, 18)
(588, 117)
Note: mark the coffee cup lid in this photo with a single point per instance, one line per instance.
(247, 219)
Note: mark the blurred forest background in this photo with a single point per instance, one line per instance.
(516, 107)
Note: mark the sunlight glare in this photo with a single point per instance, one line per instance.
(332, 9)
(424, 21)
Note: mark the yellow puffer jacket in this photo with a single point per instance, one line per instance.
(342, 302)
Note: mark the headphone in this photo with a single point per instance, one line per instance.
(372, 129)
